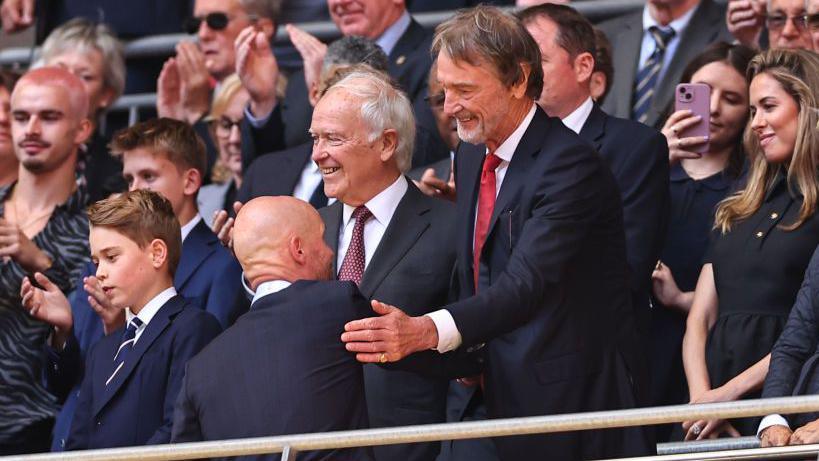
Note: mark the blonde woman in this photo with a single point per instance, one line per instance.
(226, 114)
(764, 236)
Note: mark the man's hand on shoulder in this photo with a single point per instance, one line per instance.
(390, 337)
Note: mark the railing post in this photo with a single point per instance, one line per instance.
(289, 454)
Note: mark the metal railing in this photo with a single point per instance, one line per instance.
(289, 445)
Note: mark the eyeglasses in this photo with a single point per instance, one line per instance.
(216, 21)
(225, 125)
(778, 21)
(812, 20)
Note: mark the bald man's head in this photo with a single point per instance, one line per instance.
(281, 238)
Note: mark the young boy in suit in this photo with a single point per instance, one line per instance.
(133, 375)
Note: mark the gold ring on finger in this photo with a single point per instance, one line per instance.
(383, 358)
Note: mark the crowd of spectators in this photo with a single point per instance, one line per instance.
(510, 215)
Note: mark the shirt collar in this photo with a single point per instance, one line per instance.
(187, 228)
(577, 119)
(508, 147)
(390, 37)
(383, 205)
(678, 24)
(268, 288)
(149, 310)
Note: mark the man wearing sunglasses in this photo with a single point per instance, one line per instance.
(785, 20)
(812, 22)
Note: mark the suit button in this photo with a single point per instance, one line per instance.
(774, 215)
(56, 368)
(759, 234)
(99, 423)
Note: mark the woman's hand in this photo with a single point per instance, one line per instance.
(710, 428)
(666, 290)
(678, 147)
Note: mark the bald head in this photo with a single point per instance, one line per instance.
(62, 80)
(281, 238)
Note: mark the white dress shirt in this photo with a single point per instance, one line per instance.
(577, 119)
(649, 45)
(309, 180)
(268, 288)
(187, 228)
(382, 206)
(390, 37)
(149, 310)
(449, 338)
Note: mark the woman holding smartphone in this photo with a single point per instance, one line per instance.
(764, 235)
(698, 183)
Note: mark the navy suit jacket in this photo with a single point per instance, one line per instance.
(638, 158)
(411, 268)
(136, 407)
(281, 369)
(274, 174)
(794, 358)
(553, 304)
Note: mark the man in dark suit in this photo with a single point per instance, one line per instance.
(273, 125)
(636, 154)
(281, 368)
(541, 256)
(404, 240)
(651, 49)
(792, 370)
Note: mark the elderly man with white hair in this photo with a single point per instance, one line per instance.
(396, 243)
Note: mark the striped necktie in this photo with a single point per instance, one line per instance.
(128, 339)
(646, 81)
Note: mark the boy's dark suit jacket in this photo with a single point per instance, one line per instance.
(136, 407)
(281, 369)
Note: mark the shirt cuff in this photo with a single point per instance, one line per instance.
(449, 338)
(256, 122)
(771, 420)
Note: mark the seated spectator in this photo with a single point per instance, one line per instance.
(166, 156)
(793, 367)
(292, 171)
(273, 126)
(8, 160)
(93, 53)
(128, 401)
(281, 368)
(784, 21)
(43, 229)
(698, 183)
(651, 49)
(225, 116)
(603, 75)
(764, 236)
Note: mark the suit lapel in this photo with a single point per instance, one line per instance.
(291, 170)
(332, 223)
(627, 52)
(152, 331)
(406, 45)
(469, 161)
(405, 228)
(196, 248)
(594, 129)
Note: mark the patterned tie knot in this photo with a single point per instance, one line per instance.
(133, 325)
(661, 36)
(127, 339)
(362, 214)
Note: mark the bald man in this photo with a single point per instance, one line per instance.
(281, 368)
(43, 228)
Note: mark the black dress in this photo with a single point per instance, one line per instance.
(758, 269)
(691, 218)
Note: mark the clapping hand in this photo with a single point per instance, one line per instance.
(183, 87)
(745, 19)
(258, 70)
(48, 304)
(15, 245)
(113, 317)
(223, 225)
(17, 15)
(312, 51)
(437, 187)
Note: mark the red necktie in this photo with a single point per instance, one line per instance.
(486, 204)
(352, 267)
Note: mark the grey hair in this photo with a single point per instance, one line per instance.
(383, 107)
(350, 50)
(269, 9)
(82, 35)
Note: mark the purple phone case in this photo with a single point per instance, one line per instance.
(695, 97)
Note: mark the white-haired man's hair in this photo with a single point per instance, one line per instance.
(383, 107)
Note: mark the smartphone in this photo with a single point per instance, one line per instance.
(695, 97)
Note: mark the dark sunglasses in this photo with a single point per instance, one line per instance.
(215, 21)
(778, 21)
(812, 20)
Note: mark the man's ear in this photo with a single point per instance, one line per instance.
(389, 143)
(193, 181)
(519, 88)
(296, 249)
(313, 94)
(84, 131)
(159, 252)
(583, 66)
(107, 98)
(267, 26)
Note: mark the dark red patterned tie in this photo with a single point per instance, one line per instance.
(352, 267)
(486, 204)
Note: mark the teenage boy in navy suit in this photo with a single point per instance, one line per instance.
(132, 375)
